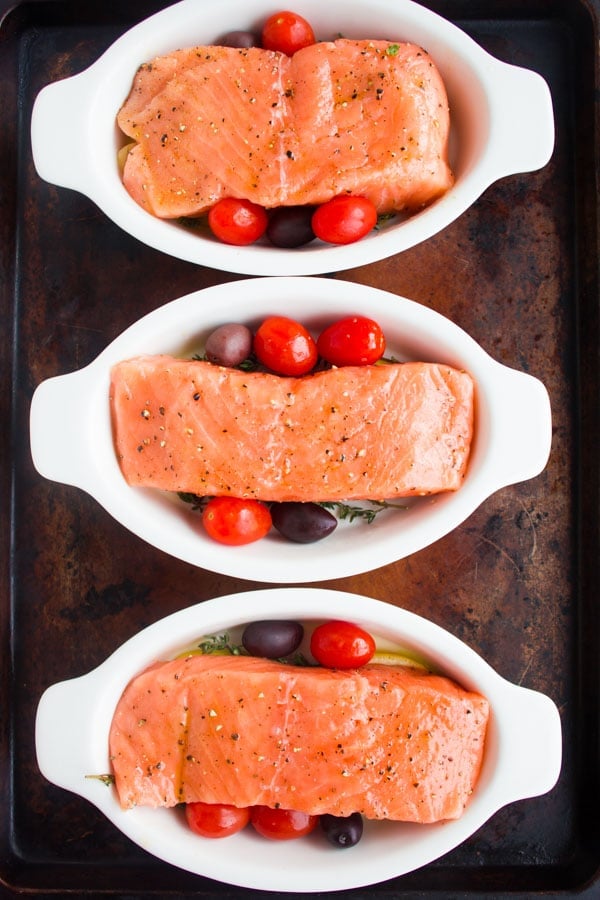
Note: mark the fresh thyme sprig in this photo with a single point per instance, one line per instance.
(220, 643)
(384, 219)
(108, 780)
(195, 501)
(387, 361)
(342, 510)
(350, 512)
(251, 364)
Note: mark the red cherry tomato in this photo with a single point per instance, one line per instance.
(235, 521)
(216, 820)
(281, 824)
(285, 346)
(344, 219)
(341, 645)
(352, 341)
(238, 222)
(287, 32)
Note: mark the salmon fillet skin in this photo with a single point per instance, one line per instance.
(385, 741)
(369, 118)
(355, 432)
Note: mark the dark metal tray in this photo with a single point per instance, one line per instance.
(518, 581)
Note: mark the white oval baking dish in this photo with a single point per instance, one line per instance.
(522, 757)
(71, 436)
(502, 123)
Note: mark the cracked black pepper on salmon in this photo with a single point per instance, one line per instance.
(355, 432)
(388, 742)
(369, 118)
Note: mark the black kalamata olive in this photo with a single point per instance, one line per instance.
(342, 831)
(302, 522)
(290, 226)
(229, 345)
(273, 638)
(241, 40)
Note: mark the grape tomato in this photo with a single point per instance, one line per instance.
(338, 644)
(285, 346)
(282, 824)
(238, 222)
(236, 521)
(344, 219)
(352, 341)
(216, 820)
(287, 32)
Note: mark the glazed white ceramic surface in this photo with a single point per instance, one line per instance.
(502, 123)
(71, 435)
(522, 757)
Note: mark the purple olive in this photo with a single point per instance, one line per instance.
(342, 831)
(273, 638)
(240, 40)
(290, 226)
(304, 523)
(229, 345)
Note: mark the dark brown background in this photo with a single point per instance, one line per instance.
(518, 581)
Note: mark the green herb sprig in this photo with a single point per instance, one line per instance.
(221, 644)
(108, 780)
(350, 512)
(195, 501)
(251, 364)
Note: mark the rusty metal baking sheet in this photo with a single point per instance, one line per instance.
(518, 581)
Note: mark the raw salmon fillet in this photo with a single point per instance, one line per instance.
(386, 741)
(355, 432)
(346, 116)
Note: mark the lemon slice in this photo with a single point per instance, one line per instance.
(391, 658)
(123, 153)
(198, 651)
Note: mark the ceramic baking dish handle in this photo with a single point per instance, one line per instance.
(71, 734)
(520, 428)
(529, 744)
(63, 445)
(58, 132)
(521, 119)
(58, 731)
